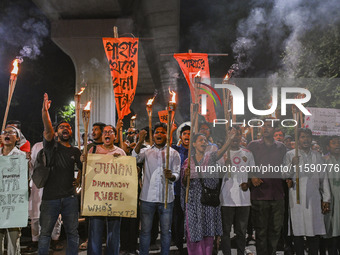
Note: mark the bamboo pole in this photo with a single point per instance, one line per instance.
(194, 127)
(171, 115)
(297, 175)
(77, 101)
(120, 131)
(11, 87)
(86, 120)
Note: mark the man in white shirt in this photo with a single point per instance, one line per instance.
(153, 190)
(235, 196)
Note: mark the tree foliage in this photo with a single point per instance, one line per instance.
(317, 58)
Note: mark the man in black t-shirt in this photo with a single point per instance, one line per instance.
(59, 191)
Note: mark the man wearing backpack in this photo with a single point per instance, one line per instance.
(59, 192)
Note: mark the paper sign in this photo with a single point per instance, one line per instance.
(111, 185)
(13, 191)
(323, 121)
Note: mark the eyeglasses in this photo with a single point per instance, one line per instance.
(108, 132)
(64, 126)
(8, 132)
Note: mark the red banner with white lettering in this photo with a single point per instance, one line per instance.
(191, 64)
(122, 54)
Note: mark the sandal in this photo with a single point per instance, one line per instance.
(56, 245)
(83, 246)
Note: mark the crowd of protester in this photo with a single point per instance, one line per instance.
(294, 213)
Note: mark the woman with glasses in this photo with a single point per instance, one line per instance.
(9, 138)
(97, 223)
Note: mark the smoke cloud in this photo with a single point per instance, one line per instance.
(23, 29)
(278, 25)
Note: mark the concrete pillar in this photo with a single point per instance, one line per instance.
(82, 41)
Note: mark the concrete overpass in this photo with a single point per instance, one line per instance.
(77, 28)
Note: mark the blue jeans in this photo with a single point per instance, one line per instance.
(49, 213)
(147, 210)
(96, 227)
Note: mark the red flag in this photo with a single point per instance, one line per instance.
(191, 64)
(163, 116)
(122, 54)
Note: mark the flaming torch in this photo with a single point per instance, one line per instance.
(133, 121)
(227, 111)
(273, 115)
(171, 116)
(11, 87)
(194, 125)
(226, 99)
(149, 111)
(77, 101)
(86, 120)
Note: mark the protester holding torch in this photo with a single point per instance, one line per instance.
(306, 214)
(153, 189)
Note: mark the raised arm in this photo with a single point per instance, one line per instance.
(142, 135)
(226, 145)
(48, 129)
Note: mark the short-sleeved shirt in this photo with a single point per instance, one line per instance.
(231, 192)
(102, 150)
(271, 188)
(64, 160)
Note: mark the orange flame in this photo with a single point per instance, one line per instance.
(227, 77)
(134, 117)
(198, 74)
(80, 91)
(173, 94)
(88, 106)
(150, 101)
(15, 67)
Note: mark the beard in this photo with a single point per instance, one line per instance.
(61, 137)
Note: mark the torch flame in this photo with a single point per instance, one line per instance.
(134, 117)
(88, 106)
(150, 101)
(198, 74)
(15, 67)
(227, 77)
(173, 94)
(80, 91)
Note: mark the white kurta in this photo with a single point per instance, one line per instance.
(36, 194)
(307, 218)
(332, 219)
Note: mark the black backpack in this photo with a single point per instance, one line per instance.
(41, 169)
